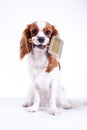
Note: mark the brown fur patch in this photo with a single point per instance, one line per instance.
(52, 64)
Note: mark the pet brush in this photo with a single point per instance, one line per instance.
(56, 46)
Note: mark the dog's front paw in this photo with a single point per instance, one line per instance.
(54, 111)
(27, 104)
(32, 109)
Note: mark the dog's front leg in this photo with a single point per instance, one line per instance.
(53, 107)
(36, 103)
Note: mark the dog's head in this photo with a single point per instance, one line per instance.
(36, 35)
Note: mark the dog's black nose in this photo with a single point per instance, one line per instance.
(41, 39)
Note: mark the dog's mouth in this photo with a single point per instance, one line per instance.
(40, 46)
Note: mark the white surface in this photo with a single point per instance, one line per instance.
(70, 18)
(14, 117)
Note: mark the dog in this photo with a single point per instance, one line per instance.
(44, 69)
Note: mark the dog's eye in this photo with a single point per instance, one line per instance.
(34, 31)
(47, 32)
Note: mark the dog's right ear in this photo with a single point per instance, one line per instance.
(25, 45)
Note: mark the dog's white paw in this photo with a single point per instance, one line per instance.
(32, 109)
(54, 111)
(27, 104)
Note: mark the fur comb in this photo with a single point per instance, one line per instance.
(56, 46)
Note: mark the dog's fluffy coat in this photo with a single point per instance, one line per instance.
(43, 68)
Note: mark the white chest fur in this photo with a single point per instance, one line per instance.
(37, 62)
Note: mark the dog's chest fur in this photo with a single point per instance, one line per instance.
(37, 63)
(42, 80)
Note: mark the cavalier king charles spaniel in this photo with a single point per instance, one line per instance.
(43, 68)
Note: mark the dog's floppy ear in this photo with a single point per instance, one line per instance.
(25, 44)
(55, 31)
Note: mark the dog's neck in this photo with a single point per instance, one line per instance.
(44, 59)
(40, 59)
(39, 53)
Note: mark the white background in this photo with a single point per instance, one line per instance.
(70, 18)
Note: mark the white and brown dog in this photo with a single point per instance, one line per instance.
(43, 68)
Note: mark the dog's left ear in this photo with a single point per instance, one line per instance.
(55, 31)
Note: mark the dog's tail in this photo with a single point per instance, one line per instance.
(75, 103)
